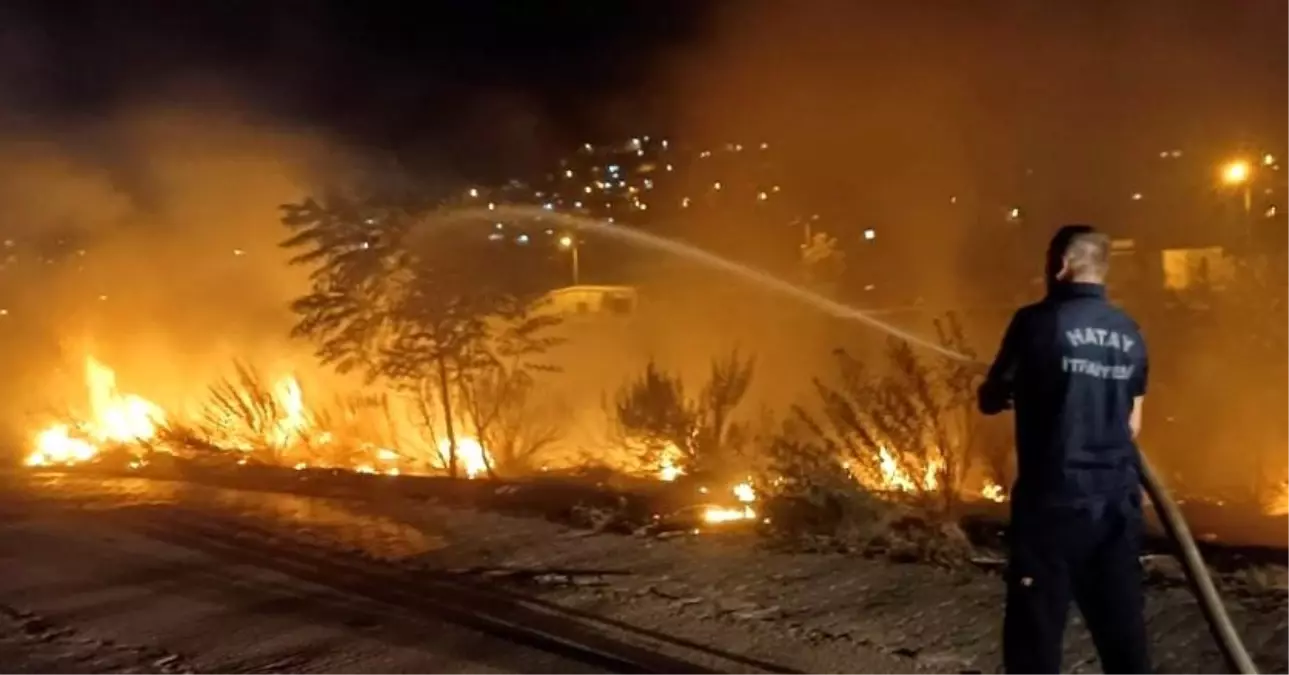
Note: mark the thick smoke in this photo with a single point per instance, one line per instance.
(922, 123)
(918, 121)
(149, 239)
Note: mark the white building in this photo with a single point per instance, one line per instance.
(592, 300)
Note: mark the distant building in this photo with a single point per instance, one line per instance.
(593, 300)
(1187, 269)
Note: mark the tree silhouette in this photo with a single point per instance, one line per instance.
(400, 294)
(654, 412)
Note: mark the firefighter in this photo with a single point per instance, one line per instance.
(1074, 368)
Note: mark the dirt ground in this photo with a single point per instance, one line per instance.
(119, 575)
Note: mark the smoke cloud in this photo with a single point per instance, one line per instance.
(149, 238)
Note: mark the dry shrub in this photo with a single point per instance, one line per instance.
(274, 423)
(512, 424)
(654, 415)
(881, 468)
(913, 430)
(241, 412)
(812, 501)
(924, 537)
(812, 498)
(359, 426)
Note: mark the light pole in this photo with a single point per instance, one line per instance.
(1239, 173)
(569, 243)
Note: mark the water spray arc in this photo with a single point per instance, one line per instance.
(706, 259)
(1170, 515)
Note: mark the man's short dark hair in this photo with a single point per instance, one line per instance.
(1086, 248)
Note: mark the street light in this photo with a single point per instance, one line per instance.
(569, 243)
(1238, 173)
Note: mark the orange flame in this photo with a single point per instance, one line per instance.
(294, 421)
(893, 478)
(993, 492)
(471, 456)
(746, 494)
(114, 418)
(55, 445)
(668, 469)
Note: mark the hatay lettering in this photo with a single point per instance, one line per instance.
(1100, 337)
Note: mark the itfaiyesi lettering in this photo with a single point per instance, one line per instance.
(1105, 371)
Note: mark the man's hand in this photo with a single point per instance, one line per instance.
(992, 399)
(995, 394)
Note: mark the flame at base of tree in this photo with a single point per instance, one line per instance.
(471, 456)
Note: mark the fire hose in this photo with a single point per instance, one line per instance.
(1219, 623)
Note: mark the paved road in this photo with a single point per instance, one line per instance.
(87, 584)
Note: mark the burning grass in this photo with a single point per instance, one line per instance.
(878, 464)
(880, 470)
(249, 418)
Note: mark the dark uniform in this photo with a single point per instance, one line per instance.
(1071, 366)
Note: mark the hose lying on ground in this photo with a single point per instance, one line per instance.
(1228, 641)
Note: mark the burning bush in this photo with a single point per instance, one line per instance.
(813, 494)
(911, 431)
(816, 502)
(498, 403)
(244, 412)
(681, 434)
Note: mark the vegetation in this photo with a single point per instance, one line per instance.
(496, 393)
(431, 309)
(274, 422)
(243, 412)
(654, 415)
(879, 464)
(911, 430)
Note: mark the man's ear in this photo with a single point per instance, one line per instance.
(1063, 273)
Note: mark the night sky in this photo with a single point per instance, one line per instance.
(420, 77)
(921, 119)
(407, 76)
